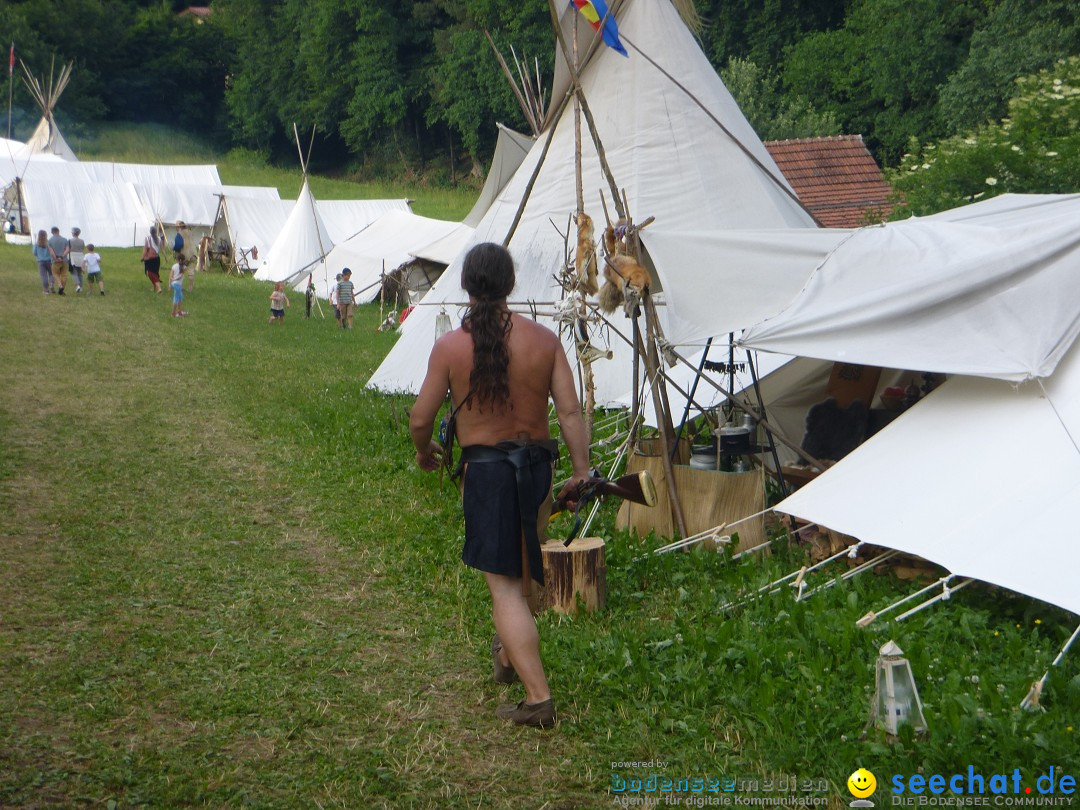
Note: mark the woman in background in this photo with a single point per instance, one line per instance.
(151, 255)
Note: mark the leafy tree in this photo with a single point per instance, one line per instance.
(762, 30)
(133, 60)
(469, 93)
(1016, 38)
(347, 68)
(1035, 150)
(181, 76)
(380, 96)
(773, 116)
(879, 73)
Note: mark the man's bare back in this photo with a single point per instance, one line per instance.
(532, 351)
(538, 370)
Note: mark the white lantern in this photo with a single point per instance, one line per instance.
(443, 324)
(896, 700)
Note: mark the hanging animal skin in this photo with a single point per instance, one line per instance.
(585, 258)
(621, 272)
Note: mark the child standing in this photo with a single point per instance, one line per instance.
(176, 284)
(278, 301)
(44, 261)
(92, 265)
(346, 298)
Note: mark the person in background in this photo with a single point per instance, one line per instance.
(76, 248)
(333, 298)
(151, 255)
(178, 240)
(92, 263)
(44, 261)
(500, 368)
(346, 298)
(278, 301)
(58, 251)
(176, 284)
(180, 246)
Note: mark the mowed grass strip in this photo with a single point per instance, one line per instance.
(205, 596)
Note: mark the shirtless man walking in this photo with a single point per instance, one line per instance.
(500, 368)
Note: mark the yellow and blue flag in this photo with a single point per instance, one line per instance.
(594, 11)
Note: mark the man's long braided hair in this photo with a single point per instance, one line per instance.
(488, 277)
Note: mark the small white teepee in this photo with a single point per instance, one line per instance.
(304, 239)
(47, 138)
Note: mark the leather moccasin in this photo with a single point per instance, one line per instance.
(538, 715)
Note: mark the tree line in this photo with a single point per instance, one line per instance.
(397, 85)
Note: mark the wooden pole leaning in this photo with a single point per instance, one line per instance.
(652, 367)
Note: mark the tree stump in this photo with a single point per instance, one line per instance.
(577, 571)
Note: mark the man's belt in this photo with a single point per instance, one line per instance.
(523, 455)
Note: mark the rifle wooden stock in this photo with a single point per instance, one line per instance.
(636, 487)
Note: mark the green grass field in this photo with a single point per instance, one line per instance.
(224, 582)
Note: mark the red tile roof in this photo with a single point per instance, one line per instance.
(836, 177)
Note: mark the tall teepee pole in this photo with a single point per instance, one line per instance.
(11, 85)
(581, 329)
(581, 335)
(311, 198)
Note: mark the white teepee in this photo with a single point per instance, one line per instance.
(302, 244)
(677, 143)
(47, 138)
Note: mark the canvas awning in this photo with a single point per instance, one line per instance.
(990, 290)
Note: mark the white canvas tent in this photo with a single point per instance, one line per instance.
(59, 172)
(982, 475)
(10, 150)
(344, 219)
(446, 248)
(301, 245)
(47, 139)
(196, 205)
(109, 214)
(987, 292)
(382, 247)
(510, 150)
(248, 223)
(98, 197)
(665, 147)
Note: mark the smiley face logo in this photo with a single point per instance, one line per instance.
(862, 783)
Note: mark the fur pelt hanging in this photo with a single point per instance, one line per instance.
(585, 257)
(620, 271)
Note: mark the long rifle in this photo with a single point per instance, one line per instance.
(635, 487)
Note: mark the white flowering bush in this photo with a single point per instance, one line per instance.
(1035, 150)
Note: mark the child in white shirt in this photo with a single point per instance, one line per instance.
(91, 262)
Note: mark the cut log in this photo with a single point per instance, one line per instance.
(572, 573)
